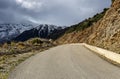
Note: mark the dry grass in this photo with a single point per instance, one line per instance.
(14, 53)
(23, 47)
(8, 62)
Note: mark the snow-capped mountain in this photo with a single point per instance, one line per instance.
(10, 31)
(23, 32)
(42, 31)
(45, 30)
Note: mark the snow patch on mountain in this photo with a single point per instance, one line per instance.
(9, 31)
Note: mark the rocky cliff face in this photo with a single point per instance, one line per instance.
(105, 33)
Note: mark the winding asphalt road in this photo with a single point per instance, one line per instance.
(71, 61)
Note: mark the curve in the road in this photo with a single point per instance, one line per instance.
(71, 61)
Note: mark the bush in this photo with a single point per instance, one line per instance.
(20, 45)
(5, 45)
(36, 41)
(13, 44)
(12, 51)
(113, 1)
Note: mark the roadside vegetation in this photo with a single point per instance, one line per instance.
(113, 1)
(12, 54)
(23, 47)
(87, 22)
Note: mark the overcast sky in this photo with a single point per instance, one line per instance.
(57, 12)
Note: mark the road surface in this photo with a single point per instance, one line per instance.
(71, 61)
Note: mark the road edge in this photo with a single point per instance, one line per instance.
(109, 56)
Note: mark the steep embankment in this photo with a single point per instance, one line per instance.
(105, 33)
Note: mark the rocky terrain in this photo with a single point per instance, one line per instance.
(104, 33)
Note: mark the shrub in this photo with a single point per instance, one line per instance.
(113, 1)
(13, 44)
(20, 45)
(5, 45)
(12, 51)
(36, 41)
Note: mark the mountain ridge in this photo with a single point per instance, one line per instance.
(41, 31)
(22, 32)
(8, 30)
(105, 33)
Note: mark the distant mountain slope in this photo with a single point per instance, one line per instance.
(42, 31)
(104, 33)
(9, 31)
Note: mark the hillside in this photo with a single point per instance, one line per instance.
(104, 33)
(9, 31)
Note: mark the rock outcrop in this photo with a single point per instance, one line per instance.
(105, 33)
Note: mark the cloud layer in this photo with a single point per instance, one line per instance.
(58, 12)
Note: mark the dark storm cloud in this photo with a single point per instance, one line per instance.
(59, 12)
